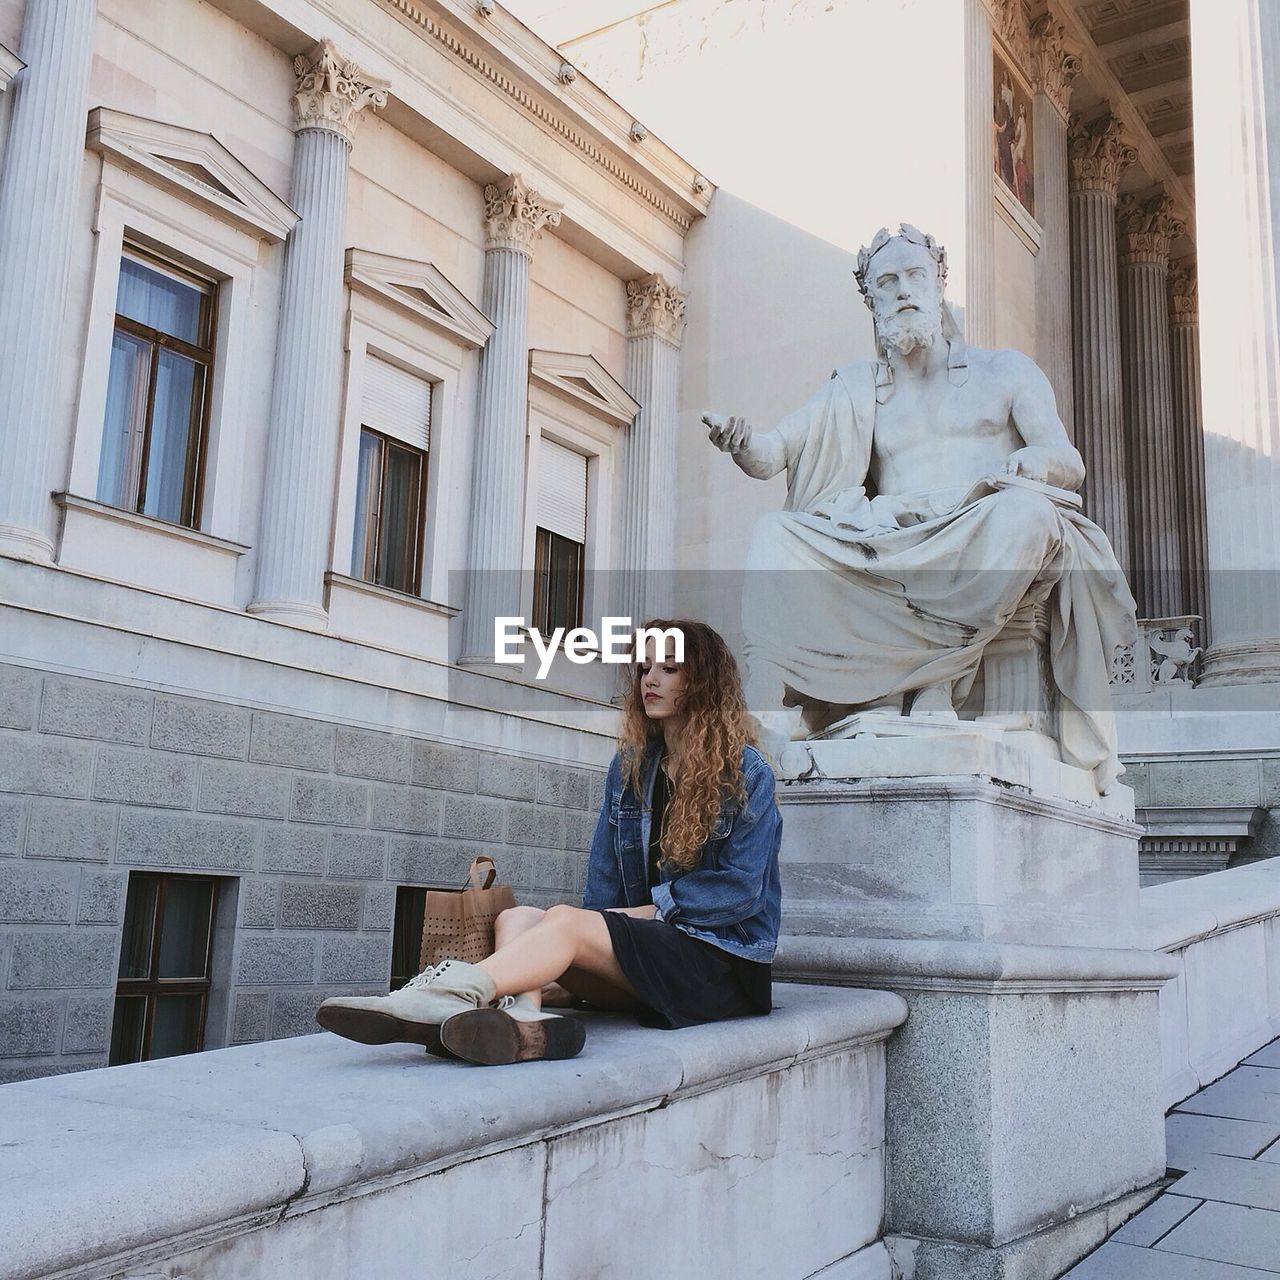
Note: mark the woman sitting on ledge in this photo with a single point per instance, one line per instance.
(679, 918)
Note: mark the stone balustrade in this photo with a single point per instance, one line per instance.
(1223, 933)
(318, 1157)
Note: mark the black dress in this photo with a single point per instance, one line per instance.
(683, 981)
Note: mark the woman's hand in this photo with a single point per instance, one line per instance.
(649, 912)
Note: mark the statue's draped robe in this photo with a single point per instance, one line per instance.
(905, 592)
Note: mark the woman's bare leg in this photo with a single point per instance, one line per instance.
(564, 938)
(512, 924)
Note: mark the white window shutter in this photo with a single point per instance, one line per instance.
(562, 491)
(396, 403)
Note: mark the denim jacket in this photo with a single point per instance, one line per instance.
(731, 899)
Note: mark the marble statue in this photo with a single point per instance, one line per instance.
(931, 496)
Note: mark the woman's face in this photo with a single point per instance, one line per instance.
(662, 685)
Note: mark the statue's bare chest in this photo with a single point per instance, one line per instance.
(940, 411)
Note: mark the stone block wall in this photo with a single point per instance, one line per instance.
(309, 824)
(1209, 780)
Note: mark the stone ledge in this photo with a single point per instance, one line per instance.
(176, 1154)
(1186, 911)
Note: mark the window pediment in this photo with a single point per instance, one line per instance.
(421, 289)
(195, 164)
(10, 65)
(586, 381)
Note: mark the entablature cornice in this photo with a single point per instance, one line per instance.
(10, 65)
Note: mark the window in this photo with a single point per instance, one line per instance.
(406, 940)
(391, 478)
(162, 993)
(559, 552)
(158, 391)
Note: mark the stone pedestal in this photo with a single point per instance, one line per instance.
(1025, 1113)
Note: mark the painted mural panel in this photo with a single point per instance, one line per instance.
(1011, 131)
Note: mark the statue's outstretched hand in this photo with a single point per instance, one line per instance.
(729, 435)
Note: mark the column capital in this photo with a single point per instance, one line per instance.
(331, 92)
(515, 214)
(1055, 63)
(1184, 290)
(655, 309)
(1098, 153)
(1147, 228)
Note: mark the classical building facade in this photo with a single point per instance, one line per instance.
(305, 311)
(332, 330)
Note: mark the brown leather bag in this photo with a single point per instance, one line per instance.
(457, 924)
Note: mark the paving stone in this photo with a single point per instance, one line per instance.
(93, 709)
(1116, 1261)
(88, 1028)
(563, 785)
(363, 753)
(77, 830)
(430, 862)
(1156, 1220)
(1229, 1233)
(200, 727)
(472, 818)
(29, 1027)
(13, 811)
(359, 959)
(508, 776)
(44, 766)
(19, 694)
(145, 777)
(102, 896)
(330, 800)
(182, 841)
(1189, 1137)
(357, 855)
(309, 904)
(252, 1017)
(252, 790)
(1272, 1153)
(291, 740)
(37, 894)
(270, 958)
(412, 809)
(259, 903)
(83, 958)
(1247, 1093)
(535, 825)
(1255, 1183)
(1267, 1056)
(300, 850)
(435, 764)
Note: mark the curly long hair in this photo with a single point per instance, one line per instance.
(706, 759)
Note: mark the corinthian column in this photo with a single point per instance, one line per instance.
(1055, 67)
(979, 167)
(1235, 65)
(39, 184)
(655, 328)
(297, 497)
(1147, 229)
(1097, 154)
(1188, 430)
(515, 216)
